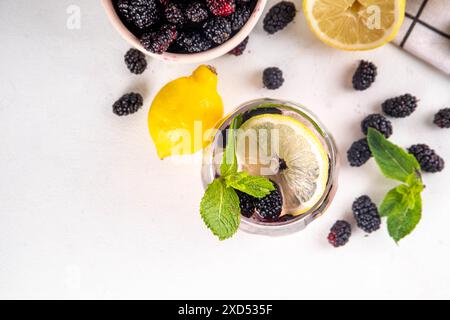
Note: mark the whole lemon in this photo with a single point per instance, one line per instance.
(184, 112)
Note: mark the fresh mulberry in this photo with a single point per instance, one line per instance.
(174, 13)
(217, 29)
(246, 203)
(359, 153)
(196, 12)
(400, 107)
(128, 104)
(135, 61)
(442, 118)
(159, 41)
(364, 76)
(378, 122)
(239, 50)
(258, 111)
(240, 17)
(270, 207)
(193, 42)
(273, 78)
(222, 8)
(141, 13)
(428, 159)
(340, 233)
(366, 214)
(279, 16)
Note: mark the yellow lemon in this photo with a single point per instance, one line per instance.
(355, 24)
(184, 112)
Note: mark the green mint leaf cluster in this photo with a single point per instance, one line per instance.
(402, 206)
(219, 207)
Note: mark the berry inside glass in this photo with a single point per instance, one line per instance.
(184, 26)
(287, 144)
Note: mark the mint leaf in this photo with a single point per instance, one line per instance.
(220, 210)
(404, 219)
(397, 199)
(394, 162)
(255, 186)
(229, 161)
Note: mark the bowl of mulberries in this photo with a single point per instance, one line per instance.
(185, 31)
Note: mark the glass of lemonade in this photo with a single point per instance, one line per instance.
(286, 143)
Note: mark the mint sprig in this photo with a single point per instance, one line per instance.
(402, 206)
(219, 207)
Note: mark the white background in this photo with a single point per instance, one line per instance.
(87, 210)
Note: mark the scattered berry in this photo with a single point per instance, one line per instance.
(359, 153)
(428, 159)
(366, 214)
(128, 104)
(340, 233)
(159, 41)
(240, 48)
(222, 8)
(247, 204)
(240, 17)
(141, 13)
(364, 76)
(217, 29)
(193, 42)
(279, 16)
(442, 118)
(196, 12)
(400, 107)
(135, 61)
(273, 78)
(378, 122)
(270, 207)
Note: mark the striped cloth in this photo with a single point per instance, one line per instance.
(426, 32)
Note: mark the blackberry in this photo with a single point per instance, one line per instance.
(428, 159)
(135, 61)
(193, 42)
(279, 16)
(359, 153)
(240, 48)
(378, 122)
(196, 12)
(128, 104)
(270, 207)
(217, 29)
(174, 13)
(222, 8)
(240, 17)
(400, 107)
(246, 203)
(442, 118)
(364, 76)
(273, 78)
(340, 233)
(366, 214)
(262, 110)
(141, 13)
(160, 40)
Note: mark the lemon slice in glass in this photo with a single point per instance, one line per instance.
(355, 24)
(288, 152)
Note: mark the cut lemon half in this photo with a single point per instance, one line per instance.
(355, 24)
(288, 152)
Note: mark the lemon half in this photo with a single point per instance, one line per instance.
(288, 152)
(355, 24)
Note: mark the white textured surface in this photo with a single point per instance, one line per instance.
(88, 211)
